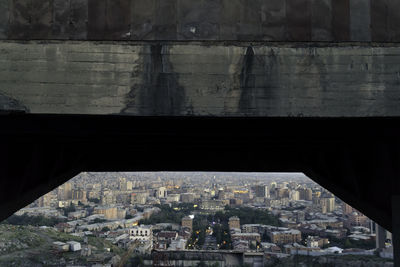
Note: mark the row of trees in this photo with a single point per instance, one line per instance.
(350, 243)
(223, 236)
(247, 216)
(200, 225)
(32, 220)
(170, 213)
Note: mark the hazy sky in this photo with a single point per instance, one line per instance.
(239, 175)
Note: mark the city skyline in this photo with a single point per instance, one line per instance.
(165, 213)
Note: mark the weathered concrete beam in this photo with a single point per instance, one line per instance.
(256, 20)
(201, 79)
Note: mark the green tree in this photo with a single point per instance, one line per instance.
(265, 237)
(137, 261)
(94, 200)
(98, 220)
(70, 208)
(247, 216)
(32, 220)
(170, 214)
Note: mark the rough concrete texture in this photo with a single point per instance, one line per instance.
(268, 20)
(200, 79)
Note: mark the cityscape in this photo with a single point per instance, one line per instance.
(192, 219)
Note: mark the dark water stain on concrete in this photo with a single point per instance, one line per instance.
(315, 65)
(271, 75)
(9, 104)
(258, 80)
(247, 82)
(159, 93)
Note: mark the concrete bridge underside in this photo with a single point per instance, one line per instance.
(147, 85)
(356, 158)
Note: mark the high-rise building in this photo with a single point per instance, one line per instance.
(347, 209)
(60, 193)
(45, 200)
(64, 192)
(294, 195)
(139, 197)
(308, 194)
(234, 222)
(273, 185)
(129, 185)
(293, 185)
(282, 193)
(187, 222)
(79, 194)
(107, 197)
(161, 192)
(122, 184)
(261, 191)
(68, 190)
(327, 203)
(305, 194)
(356, 219)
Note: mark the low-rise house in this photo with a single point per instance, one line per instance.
(285, 237)
(74, 246)
(74, 215)
(316, 241)
(178, 244)
(250, 228)
(297, 249)
(249, 237)
(241, 245)
(270, 247)
(167, 236)
(64, 227)
(143, 234)
(61, 246)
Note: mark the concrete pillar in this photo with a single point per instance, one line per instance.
(380, 236)
(396, 229)
(371, 227)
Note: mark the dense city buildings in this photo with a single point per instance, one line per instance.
(145, 214)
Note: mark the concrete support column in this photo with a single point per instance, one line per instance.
(380, 236)
(396, 229)
(371, 227)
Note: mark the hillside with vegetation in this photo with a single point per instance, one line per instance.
(33, 246)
